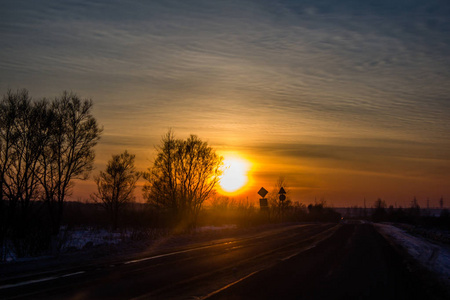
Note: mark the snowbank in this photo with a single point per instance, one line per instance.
(435, 257)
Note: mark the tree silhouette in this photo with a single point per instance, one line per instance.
(9, 111)
(70, 152)
(379, 212)
(183, 176)
(23, 134)
(116, 185)
(44, 146)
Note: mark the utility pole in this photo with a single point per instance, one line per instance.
(365, 208)
(282, 197)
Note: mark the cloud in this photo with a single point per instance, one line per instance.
(305, 75)
(398, 158)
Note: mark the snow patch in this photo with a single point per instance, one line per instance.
(79, 239)
(435, 257)
(215, 228)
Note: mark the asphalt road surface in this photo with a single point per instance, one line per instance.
(313, 261)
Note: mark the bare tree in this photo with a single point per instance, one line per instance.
(43, 147)
(116, 185)
(379, 212)
(380, 204)
(8, 136)
(277, 206)
(23, 135)
(70, 153)
(9, 111)
(183, 176)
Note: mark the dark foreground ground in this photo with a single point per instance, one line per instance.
(304, 261)
(355, 263)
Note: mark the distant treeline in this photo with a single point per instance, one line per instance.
(414, 215)
(221, 211)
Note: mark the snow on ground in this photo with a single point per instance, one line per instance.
(78, 239)
(71, 240)
(86, 238)
(214, 228)
(435, 257)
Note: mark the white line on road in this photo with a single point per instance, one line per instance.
(210, 246)
(73, 274)
(168, 254)
(231, 284)
(7, 286)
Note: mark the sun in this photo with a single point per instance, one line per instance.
(234, 175)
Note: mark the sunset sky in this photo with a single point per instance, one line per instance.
(345, 99)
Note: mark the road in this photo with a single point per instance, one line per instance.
(309, 261)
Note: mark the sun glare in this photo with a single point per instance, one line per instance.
(235, 174)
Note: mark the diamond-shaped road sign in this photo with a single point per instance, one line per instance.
(262, 192)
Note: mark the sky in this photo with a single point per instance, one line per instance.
(347, 100)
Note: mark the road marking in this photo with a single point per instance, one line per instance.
(7, 286)
(167, 254)
(298, 253)
(228, 285)
(72, 274)
(81, 272)
(331, 231)
(210, 246)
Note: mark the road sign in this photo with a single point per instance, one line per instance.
(282, 191)
(282, 197)
(263, 203)
(262, 192)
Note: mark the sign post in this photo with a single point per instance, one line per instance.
(263, 201)
(282, 197)
(282, 194)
